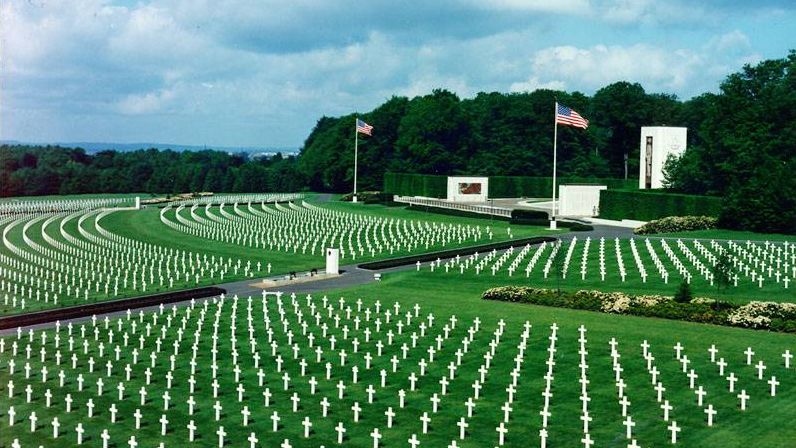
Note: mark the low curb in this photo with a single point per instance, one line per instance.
(412, 259)
(73, 312)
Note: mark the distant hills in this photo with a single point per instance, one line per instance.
(94, 147)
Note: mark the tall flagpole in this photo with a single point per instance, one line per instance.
(555, 160)
(356, 152)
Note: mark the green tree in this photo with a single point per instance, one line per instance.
(683, 293)
(723, 271)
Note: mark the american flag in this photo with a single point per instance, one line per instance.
(364, 127)
(569, 117)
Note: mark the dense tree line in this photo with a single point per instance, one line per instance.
(491, 134)
(31, 170)
(745, 148)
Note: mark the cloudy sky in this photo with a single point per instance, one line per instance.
(260, 73)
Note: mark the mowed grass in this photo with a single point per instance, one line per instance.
(633, 283)
(764, 424)
(722, 234)
(36, 303)
(145, 226)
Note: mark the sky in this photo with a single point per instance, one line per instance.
(261, 73)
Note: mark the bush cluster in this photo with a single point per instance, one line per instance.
(370, 197)
(759, 315)
(677, 224)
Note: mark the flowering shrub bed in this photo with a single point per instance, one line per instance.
(759, 315)
(677, 224)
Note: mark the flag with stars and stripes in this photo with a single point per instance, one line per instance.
(569, 117)
(363, 127)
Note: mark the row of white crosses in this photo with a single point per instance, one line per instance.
(130, 370)
(759, 263)
(34, 207)
(547, 394)
(95, 261)
(624, 402)
(309, 229)
(687, 260)
(583, 365)
(242, 198)
(164, 420)
(161, 324)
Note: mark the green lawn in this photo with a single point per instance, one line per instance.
(766, 423)
(15, 236)
(145, 226)
(721, 234)
(746, 290)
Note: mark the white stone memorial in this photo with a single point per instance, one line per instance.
(468, 189)
(657, 143)
(579, 200)
(332, 261)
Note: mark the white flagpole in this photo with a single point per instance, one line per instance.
(356, 153)
(555, 160)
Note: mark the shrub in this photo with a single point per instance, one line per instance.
(677, 224)
(529, 214)
(683, 294)
(370, 197)
(760, 315)
(576, 226)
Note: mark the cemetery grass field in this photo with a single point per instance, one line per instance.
(722, 234)
(745, 292)
(766, 426)
(765, 423)
(145, 226)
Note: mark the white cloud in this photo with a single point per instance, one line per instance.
(597, 66)
(560, 6)
(654, 12)
(148, 103)
(732, 41)
(533, 83)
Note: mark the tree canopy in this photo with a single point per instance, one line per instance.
(33, 171)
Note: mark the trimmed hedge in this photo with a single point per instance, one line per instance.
(450, 253)
(542, 187)
(759, 315)
(435, 186)
(405, 184)
(647, 205)
(518, 213)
